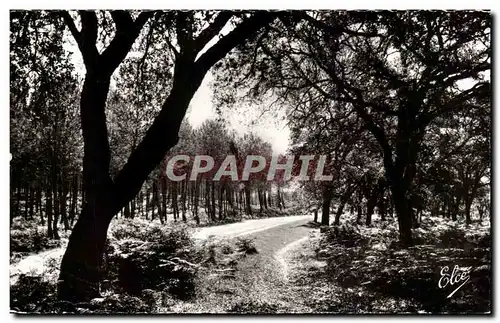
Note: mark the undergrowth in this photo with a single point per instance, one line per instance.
(357, 269)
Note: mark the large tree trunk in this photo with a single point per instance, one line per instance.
(80, 266)
(404, 214)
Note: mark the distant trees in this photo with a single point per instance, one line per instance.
(45, 165)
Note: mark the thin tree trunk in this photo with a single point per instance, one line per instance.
(343, 200)
(327, 200)
(48, 211)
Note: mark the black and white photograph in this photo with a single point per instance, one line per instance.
(250, 162)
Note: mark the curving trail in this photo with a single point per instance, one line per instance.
(248, 227)
(262, 279)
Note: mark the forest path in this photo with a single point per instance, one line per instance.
(261, 282)
(36, 263)
(247, 227)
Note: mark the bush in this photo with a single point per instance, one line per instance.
(30, 292)
(246, 245)
(347, 235)
(257, 307)
(453, 238)
(121, 303)
(480, 240)
(143, 256)
(27, 237)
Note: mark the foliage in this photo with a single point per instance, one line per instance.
(141, 256)
(28, 236)
(376, 278)
(246, 245)
(30, 293)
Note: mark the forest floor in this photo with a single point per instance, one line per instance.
(278, 265)
(355, 269)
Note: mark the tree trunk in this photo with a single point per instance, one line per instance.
(163, 215)
(247, 198)
(48, 211)
(359, 207)
(63, 200)
(269, 198)
(74, 198)
(31, 202)
(175, 205)
(382, 208)
(221, 192)
(404, 215)
(343, 200)
(80, 266)
(468, 203)
(261, 204)
(183, 200)
(196, 201)
(327, 200)
(212, 202)
(126, 211)
(370, 207)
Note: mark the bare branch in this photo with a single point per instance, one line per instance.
(68, 20)
(212, 30)
(246, 29)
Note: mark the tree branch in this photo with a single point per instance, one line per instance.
(127, 32)
(212, 30)
(247, 29)
(68, 20)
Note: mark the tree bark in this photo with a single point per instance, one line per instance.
(247, 198)
(327, 199)
(343, 200)
(403, 213)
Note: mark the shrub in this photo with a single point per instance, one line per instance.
(257, 307)
(481, 240)
(246, 245)
(30, 292)
(121, 303)
(453, 238)
(151, 257)
(347, 235)
(28, 238)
